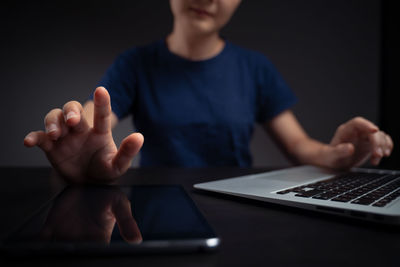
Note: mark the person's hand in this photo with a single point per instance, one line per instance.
(355, 142)
(81, 153)
(89, 214)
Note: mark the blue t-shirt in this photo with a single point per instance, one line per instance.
(196, 113)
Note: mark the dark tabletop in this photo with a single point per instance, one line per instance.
(253, 233)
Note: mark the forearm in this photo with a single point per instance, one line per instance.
(295, 142)
(352, 145)
(308, 151)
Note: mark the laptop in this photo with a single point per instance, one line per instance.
(367, 194)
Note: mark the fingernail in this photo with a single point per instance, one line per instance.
(387, 151)
(379, 151)
(70, 115)
(51, 128)
(28, 137)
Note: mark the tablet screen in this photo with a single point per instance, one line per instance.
(115, 219)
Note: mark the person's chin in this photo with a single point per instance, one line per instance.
(202, 27)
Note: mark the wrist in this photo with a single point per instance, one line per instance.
(310, 152)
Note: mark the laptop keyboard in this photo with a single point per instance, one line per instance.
(360, 188)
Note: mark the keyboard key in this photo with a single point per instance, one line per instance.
(321, 196)
(309, 193)
(341, 199)
(284, 192)
(362, 201)
(379, 204)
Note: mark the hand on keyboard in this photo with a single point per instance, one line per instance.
(356, 141)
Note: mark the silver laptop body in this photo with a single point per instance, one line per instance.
(304, 186)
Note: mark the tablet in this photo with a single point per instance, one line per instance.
(114, 220)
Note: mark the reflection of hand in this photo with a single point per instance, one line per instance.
(89, 214)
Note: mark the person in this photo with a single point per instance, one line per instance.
(195, 96)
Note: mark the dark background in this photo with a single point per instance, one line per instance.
(329, 52)
(389, 79)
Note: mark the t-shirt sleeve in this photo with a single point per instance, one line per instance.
(119, 80)
(274, 95)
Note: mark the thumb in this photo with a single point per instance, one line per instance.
(343, 150)
(337, 154)
(130, 146)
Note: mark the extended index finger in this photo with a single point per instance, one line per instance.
(102, 111)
